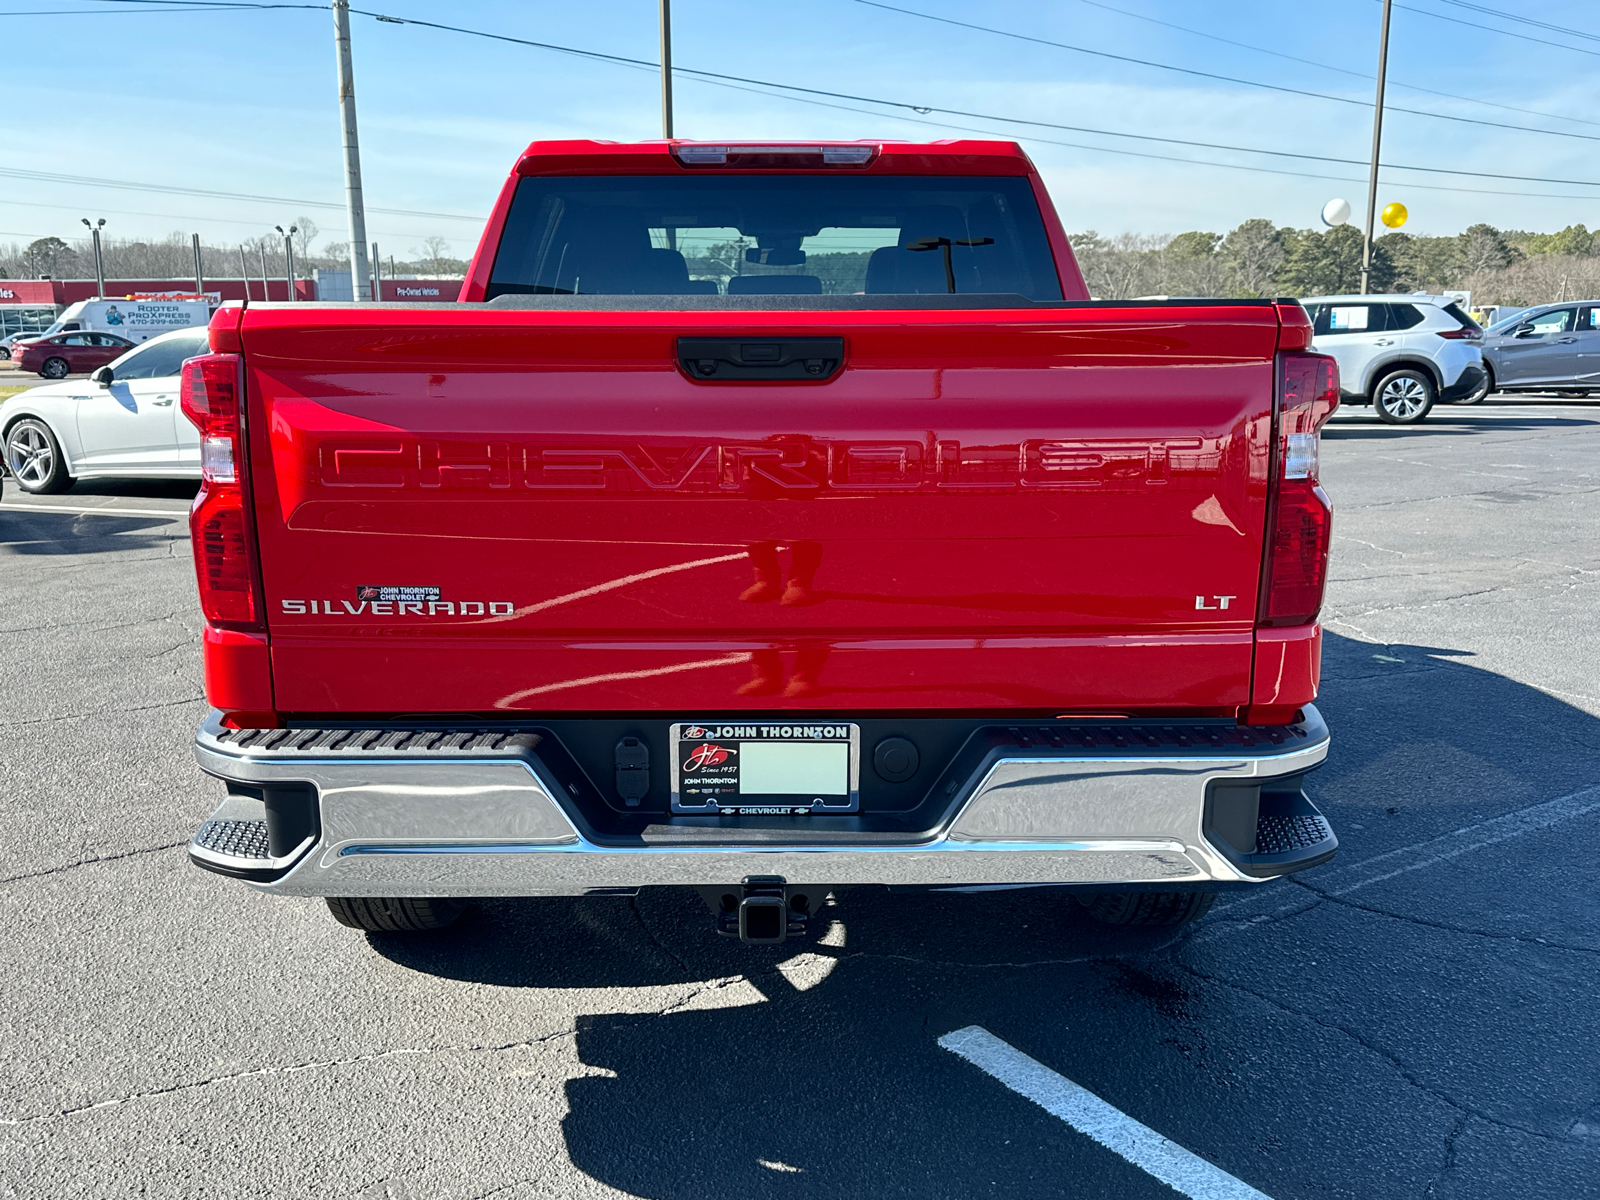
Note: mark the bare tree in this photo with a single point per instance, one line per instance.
(434, 255)
(1255, 251)
(306, 231)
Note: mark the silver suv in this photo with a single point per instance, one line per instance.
(1400, 354)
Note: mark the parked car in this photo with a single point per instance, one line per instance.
(8, 344)
(121, 421)
(72, 353)
(601, 580)
(1552, 348)
(1400, 354)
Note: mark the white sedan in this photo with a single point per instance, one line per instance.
(123, 421)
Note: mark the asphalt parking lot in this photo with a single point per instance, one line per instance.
(1415, 1019)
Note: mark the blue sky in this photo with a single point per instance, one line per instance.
(244, 101)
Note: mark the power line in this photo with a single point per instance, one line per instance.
(122, 212)
(1493, 12)
(1193, 162)
(925, 109)
(1311, 62)
(206, 193)
(1500, 32)
(756, 85)
(1272, 87)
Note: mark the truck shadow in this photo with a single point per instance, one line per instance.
(70, 534)
(808, 1069)
(1365, 427)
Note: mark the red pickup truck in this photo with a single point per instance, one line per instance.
(766, 520)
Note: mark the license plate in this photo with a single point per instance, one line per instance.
(787, 767)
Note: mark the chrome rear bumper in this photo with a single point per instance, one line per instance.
(479, 814)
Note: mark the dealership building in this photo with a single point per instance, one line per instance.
(30, 305)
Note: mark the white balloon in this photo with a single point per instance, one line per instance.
(1336, 212)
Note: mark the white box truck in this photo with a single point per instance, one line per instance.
(137, 317)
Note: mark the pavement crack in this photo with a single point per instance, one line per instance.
(633, 904)
(291, 1069)
(95, 712)
(1400, 1068)
(89, 862)
(1446, 926)
(1449, 1154)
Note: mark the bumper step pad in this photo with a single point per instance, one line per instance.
(1285, 833)
(243, 840)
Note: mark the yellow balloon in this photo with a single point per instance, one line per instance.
(1394, 215)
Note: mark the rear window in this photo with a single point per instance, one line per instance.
(1404, 316)
(774, 235)
(1461, 315)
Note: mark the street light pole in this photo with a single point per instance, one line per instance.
(352, 153)
(1377, 142)
(199, 269)
(288, 255)
(666, 68)
(99, 263)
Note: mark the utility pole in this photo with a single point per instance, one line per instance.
(1377, 142)
(359, 276)
(666, 68)
(288, 255)
(199, 268)
(99, 263)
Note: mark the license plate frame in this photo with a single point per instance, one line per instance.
(709, 773)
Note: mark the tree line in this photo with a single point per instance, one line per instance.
(1258, 258)
(172, 257)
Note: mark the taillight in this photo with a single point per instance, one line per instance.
(219, 522)
(1296, 567)
(1461, 335)
(745, 154)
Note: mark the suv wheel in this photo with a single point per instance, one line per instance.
(1403, 397)
(33, 456)
(55, 368)
(1148, 908)
(394, 914)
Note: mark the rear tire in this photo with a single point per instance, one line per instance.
(1148, 908)
(33, 456)
(1483, 389)
(391, 914)
(55, 368)
(1403, 397)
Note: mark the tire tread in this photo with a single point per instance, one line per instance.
(1148, 908)
(394, 914)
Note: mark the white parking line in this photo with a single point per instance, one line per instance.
(1169, 1162)
(99, 512)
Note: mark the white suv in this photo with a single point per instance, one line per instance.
(1400, 354)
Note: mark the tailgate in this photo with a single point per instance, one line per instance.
(465, 510)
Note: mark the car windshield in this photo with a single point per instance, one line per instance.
(160, 357)
(774, 235)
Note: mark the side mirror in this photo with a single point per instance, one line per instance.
(1524, 330)
(103, 376)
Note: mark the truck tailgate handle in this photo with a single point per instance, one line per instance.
(728, 360)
